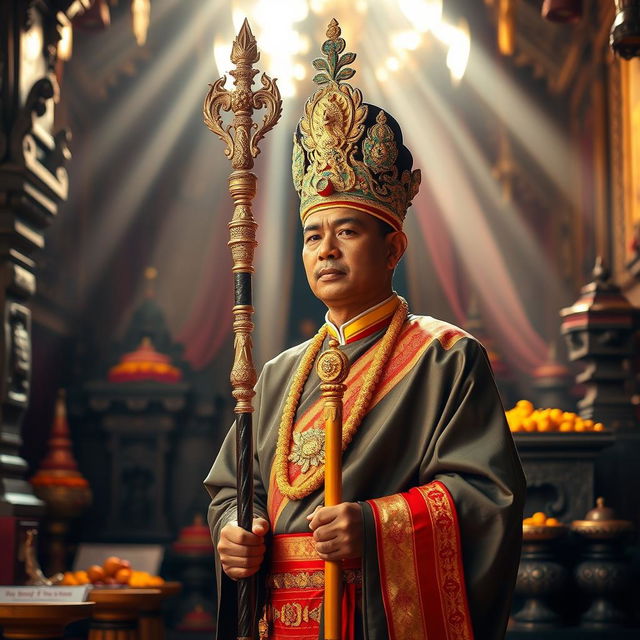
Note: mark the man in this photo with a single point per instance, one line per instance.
(429, 530)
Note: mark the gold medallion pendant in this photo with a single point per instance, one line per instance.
(307, 449)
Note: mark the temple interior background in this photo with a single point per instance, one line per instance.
(116, 277)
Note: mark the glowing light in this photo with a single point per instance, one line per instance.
(222, 56)
(406, 40)
(33, 44)
(299, 71)
(382, 74)
(65, 46)
(423, 15)
(280, 41)
(393, 64)
(459, 49)
(140, 16)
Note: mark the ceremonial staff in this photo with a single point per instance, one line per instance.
(332, 368)
(242, 137)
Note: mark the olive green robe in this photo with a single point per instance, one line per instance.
(442, 421)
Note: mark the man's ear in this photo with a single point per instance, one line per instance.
(396, 242)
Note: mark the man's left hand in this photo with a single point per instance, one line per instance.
(337, 531)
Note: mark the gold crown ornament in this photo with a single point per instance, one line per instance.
(347, 153)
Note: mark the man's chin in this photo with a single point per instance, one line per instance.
(331, 292)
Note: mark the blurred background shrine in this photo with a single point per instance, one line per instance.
(524, 117)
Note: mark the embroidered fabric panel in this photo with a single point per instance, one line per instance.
(296, 590)
(420, 560)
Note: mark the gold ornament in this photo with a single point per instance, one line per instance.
(286, 436)
(307, 449)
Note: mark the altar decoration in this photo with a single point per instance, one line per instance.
(192, 555)
(144, 364)
(61, 486)
(604, 573)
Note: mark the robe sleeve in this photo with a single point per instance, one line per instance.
(221, 486)
(440, 559)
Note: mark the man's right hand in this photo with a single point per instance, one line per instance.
(241, 552)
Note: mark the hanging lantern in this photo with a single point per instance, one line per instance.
(625, 31)
(562, 10)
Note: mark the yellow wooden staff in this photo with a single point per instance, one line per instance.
(332, 368)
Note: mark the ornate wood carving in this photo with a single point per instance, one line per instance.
(33, 182)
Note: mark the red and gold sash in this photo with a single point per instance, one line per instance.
(296, 591)
(417, 335)
(420, 563)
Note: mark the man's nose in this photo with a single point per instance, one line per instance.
(328, 249)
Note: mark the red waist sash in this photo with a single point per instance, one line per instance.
(296, 591)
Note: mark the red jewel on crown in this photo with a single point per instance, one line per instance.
(325, 187)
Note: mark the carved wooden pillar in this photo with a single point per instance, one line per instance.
(33, 182)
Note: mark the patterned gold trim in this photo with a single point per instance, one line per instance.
(310, 579)
(293, 614)
(294, 548)
(450, 577)
(404, 614)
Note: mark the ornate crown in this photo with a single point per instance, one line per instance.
(346, 152)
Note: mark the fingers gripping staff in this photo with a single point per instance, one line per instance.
(242, 137)
(332, 367)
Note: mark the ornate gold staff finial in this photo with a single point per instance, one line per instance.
(242, 137)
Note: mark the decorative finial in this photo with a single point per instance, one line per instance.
(600, 271)
(333, 69)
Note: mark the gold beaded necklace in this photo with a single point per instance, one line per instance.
(350, 426)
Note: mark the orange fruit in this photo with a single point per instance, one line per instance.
(566, 426)
(123, 575)
(528, 424)
(82, 577)
(545, 425)
(96, 573)
(598, 426)
(539, 518)
(556, 415)
(69, 579)
(112, 565)
(552, 522)
(528, 521)
(525, 407)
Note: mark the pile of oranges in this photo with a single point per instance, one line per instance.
(524, 417)
(114, 571)
(539, 519)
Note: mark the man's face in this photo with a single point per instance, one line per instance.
(349, 262)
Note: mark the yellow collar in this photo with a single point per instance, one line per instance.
(365, 323)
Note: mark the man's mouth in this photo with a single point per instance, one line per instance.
(329, 273)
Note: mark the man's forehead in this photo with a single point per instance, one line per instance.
(333, 215)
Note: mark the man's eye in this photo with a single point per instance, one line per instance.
(346, 232)
(311, 238)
